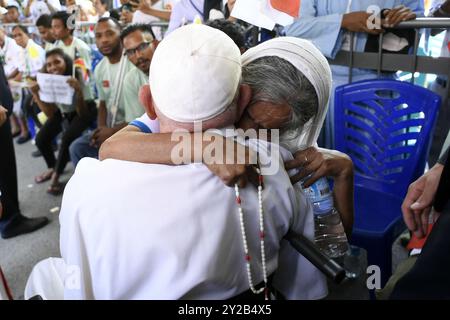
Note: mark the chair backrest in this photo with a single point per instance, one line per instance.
(385, 126)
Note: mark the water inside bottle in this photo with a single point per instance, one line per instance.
(330, 235)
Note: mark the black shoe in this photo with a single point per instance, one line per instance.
(36, 153)
(22, 140)
(22, 225)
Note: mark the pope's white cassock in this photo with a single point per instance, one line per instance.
(145, 231)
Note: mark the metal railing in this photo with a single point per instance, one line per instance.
(395, 62)
(83, 29)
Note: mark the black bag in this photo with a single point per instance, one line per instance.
(372, 44)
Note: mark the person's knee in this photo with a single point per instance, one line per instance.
(75, 151)
(41, 140)
(67, 141)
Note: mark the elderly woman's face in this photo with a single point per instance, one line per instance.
(265, 115)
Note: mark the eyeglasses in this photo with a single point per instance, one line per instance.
(131, 52)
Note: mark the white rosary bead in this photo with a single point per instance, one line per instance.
(244, 236)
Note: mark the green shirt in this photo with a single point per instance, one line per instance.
(84, 52)
(49, 46)
(106, 75)
(134, 80)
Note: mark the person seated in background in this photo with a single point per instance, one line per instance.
(31, 61)
(101, 8)
(10, 54)
(35, 8)
(126, 14)
(139, 43)
(13, 14)
(151, 12)
(75, 48)
(71, 120)
(172, 253)
(44, 25)
(109, 80)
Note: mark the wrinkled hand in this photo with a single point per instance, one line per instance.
(417, 205)
(3, 115)
(357, 22)
(75, 84)
(396, 15)
(321, 163)
(100, 135)
(240, 170)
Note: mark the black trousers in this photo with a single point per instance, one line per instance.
(73, 124)
(8, 176)
(29, 108)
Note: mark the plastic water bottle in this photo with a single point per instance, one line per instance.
(330, 236)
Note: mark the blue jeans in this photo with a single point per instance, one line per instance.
(81, 148)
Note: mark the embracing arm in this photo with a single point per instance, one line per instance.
(163, 148)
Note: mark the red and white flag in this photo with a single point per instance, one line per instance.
(266, 13)
(291, 7)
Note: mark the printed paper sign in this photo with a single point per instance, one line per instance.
(54, 88)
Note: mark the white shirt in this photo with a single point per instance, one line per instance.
(32, 58)
(11, 52)
(140, 231)
(39, 7)
(141, 17)
(185, 12)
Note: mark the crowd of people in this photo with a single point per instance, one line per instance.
(137, 85)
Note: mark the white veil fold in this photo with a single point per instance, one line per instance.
(303, 55)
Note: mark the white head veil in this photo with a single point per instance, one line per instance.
(304, 56)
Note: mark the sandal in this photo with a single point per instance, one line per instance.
(47, 175)
(55, 189)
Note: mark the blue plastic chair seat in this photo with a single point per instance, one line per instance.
(385, 126)
(375, 214)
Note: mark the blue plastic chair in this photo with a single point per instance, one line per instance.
(385, 126)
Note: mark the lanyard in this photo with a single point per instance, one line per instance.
(118, 83)
(349, 5)
(196, 9)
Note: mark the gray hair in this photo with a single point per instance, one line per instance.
(277, 81)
